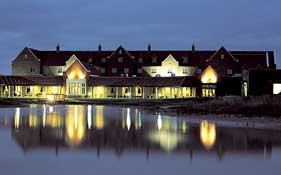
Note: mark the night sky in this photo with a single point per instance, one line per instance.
(166, 24)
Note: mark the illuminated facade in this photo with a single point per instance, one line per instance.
(55, 75)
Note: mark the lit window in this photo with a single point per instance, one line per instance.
(60, 70)
(126, 70)
(103, 60)
(154, 60)
(140, 60)
(42, 89)
(140, 70)
(28, 90)
(276, 88)
(222, 56)
(170, 71)
(120, 59)
(185, 60)
(83, 88)
(184, 71)
(153, 71)
(114, 70)
(102, 70)
(229, 71)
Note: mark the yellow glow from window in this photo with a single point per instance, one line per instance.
(99, 122)
(76, 74)
(99, 92)
(159, 122)
(89, 116)
(17, 118)
(54, 120)
(209, 75)
(128, 119)
(137, 119)
(51, 109)
(75, 125)
(33, 121)
(166, 139)
(208, 134)
(51, 98)
(276, 89)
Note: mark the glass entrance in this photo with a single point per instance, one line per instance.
(76, 87)
(208, 91)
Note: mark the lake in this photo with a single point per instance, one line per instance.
(81, 139)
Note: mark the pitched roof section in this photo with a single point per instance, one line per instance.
(32, 80)
(222, 49)
(120, 48)
(142, 81)
(198, 58)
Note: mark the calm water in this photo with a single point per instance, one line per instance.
(111, 140)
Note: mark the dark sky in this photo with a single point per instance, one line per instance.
(166, 24)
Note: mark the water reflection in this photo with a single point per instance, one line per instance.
(99, 120)
(75, 125)
(101, 128)
(207, 134)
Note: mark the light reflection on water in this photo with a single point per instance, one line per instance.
(119, 130)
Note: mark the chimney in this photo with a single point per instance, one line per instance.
(58, 48)
(149, 48)
(99, 48)
(193, 48)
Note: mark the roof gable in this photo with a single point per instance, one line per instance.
(209, 75)
(26, 51)
(170, 61)
(72, 60)
(222, 50)
(117, 51)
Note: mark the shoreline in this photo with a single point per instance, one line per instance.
(223, 111)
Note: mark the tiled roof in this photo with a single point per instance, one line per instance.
(198, 58)
(32, 80)
(15, 80)
(142, 81)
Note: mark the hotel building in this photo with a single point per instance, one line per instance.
(144, 74)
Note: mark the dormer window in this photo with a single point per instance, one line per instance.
(222, 56)
(120, 59)
(90, 60)
(126, 70)
(140, 70)
(103, 60)
(154, 59)
(229, 71)
(120, 52)
(102, 70)
(185, 60)
(114, 70)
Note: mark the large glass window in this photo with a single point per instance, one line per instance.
(208, 91)
(77, 88)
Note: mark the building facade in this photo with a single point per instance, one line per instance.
(132, 74)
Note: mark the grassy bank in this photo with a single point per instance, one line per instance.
(251, 106)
